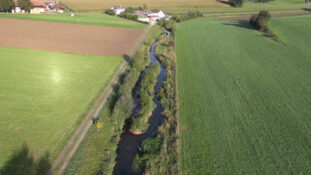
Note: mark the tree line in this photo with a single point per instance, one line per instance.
(8, 5)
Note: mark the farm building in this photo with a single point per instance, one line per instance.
(150, 16)
(118, 9)
(142, 16)
(38, 7)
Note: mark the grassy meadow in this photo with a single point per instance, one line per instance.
(208, 7)
(79, 18)
(244, 100)
(249, 7)
(100, 4)
(44, 96)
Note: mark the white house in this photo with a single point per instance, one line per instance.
(157, 13)
(118, 9)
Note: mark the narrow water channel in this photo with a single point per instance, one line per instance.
(129, 143)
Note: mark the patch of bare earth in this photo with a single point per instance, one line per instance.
(245, 18)
(70, 38)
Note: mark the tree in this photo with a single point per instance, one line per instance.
(6, 5)
(236, 3)
(260, 21)
(145, 7)
(110, 12)
(25, 5)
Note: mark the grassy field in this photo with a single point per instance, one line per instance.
(249, 7)
(244, 100)
(208, 7)
(79, 18)
(44, 96)
(99, 4)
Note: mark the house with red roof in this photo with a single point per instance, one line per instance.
(38, 7)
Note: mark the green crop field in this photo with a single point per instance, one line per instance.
(44, 96)
(79, 18)
(244, 100)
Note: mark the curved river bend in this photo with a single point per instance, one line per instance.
(129, 143)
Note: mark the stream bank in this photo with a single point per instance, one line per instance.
(129, 142)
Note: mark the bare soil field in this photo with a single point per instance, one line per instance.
(70, 38)
(245, 18)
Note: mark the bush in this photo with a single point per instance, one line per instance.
(261, 20)
(110, 12)
(128, 16)
(187, 16)
(236, 3)
(146, 95)
(132, 9)
(263, 1)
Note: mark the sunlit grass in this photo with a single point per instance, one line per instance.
(44, 96)
(244, 100)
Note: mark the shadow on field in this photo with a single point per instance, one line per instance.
(307, 9)
(22, 162)
(224, 2)
(242, 24)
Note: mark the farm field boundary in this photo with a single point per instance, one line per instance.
(68, 38)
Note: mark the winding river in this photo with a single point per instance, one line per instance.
(129, 143)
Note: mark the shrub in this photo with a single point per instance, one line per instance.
(110, 12)
(263, 1)
(187, 16)
(236, 3)
(128, 16)
(260, 21)
(146, 95)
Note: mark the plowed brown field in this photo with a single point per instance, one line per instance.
(71, 38)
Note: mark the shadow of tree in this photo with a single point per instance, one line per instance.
(242, 24)
(22, 162)
(224, 2)
(307, 9)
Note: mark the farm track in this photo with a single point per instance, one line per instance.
(80, 133)
(245, 18)
(68, 38)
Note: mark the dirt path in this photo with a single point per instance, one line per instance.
(72, 145)
(245, 18)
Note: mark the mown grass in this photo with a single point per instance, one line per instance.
(97, 153)
(79, 18)
(44, 96)
(244, 105)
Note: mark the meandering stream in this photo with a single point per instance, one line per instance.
(129, 143)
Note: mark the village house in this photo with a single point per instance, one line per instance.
(118, 9)
(151, 16)
(56, 8)
(38, 7)
(142, 16)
